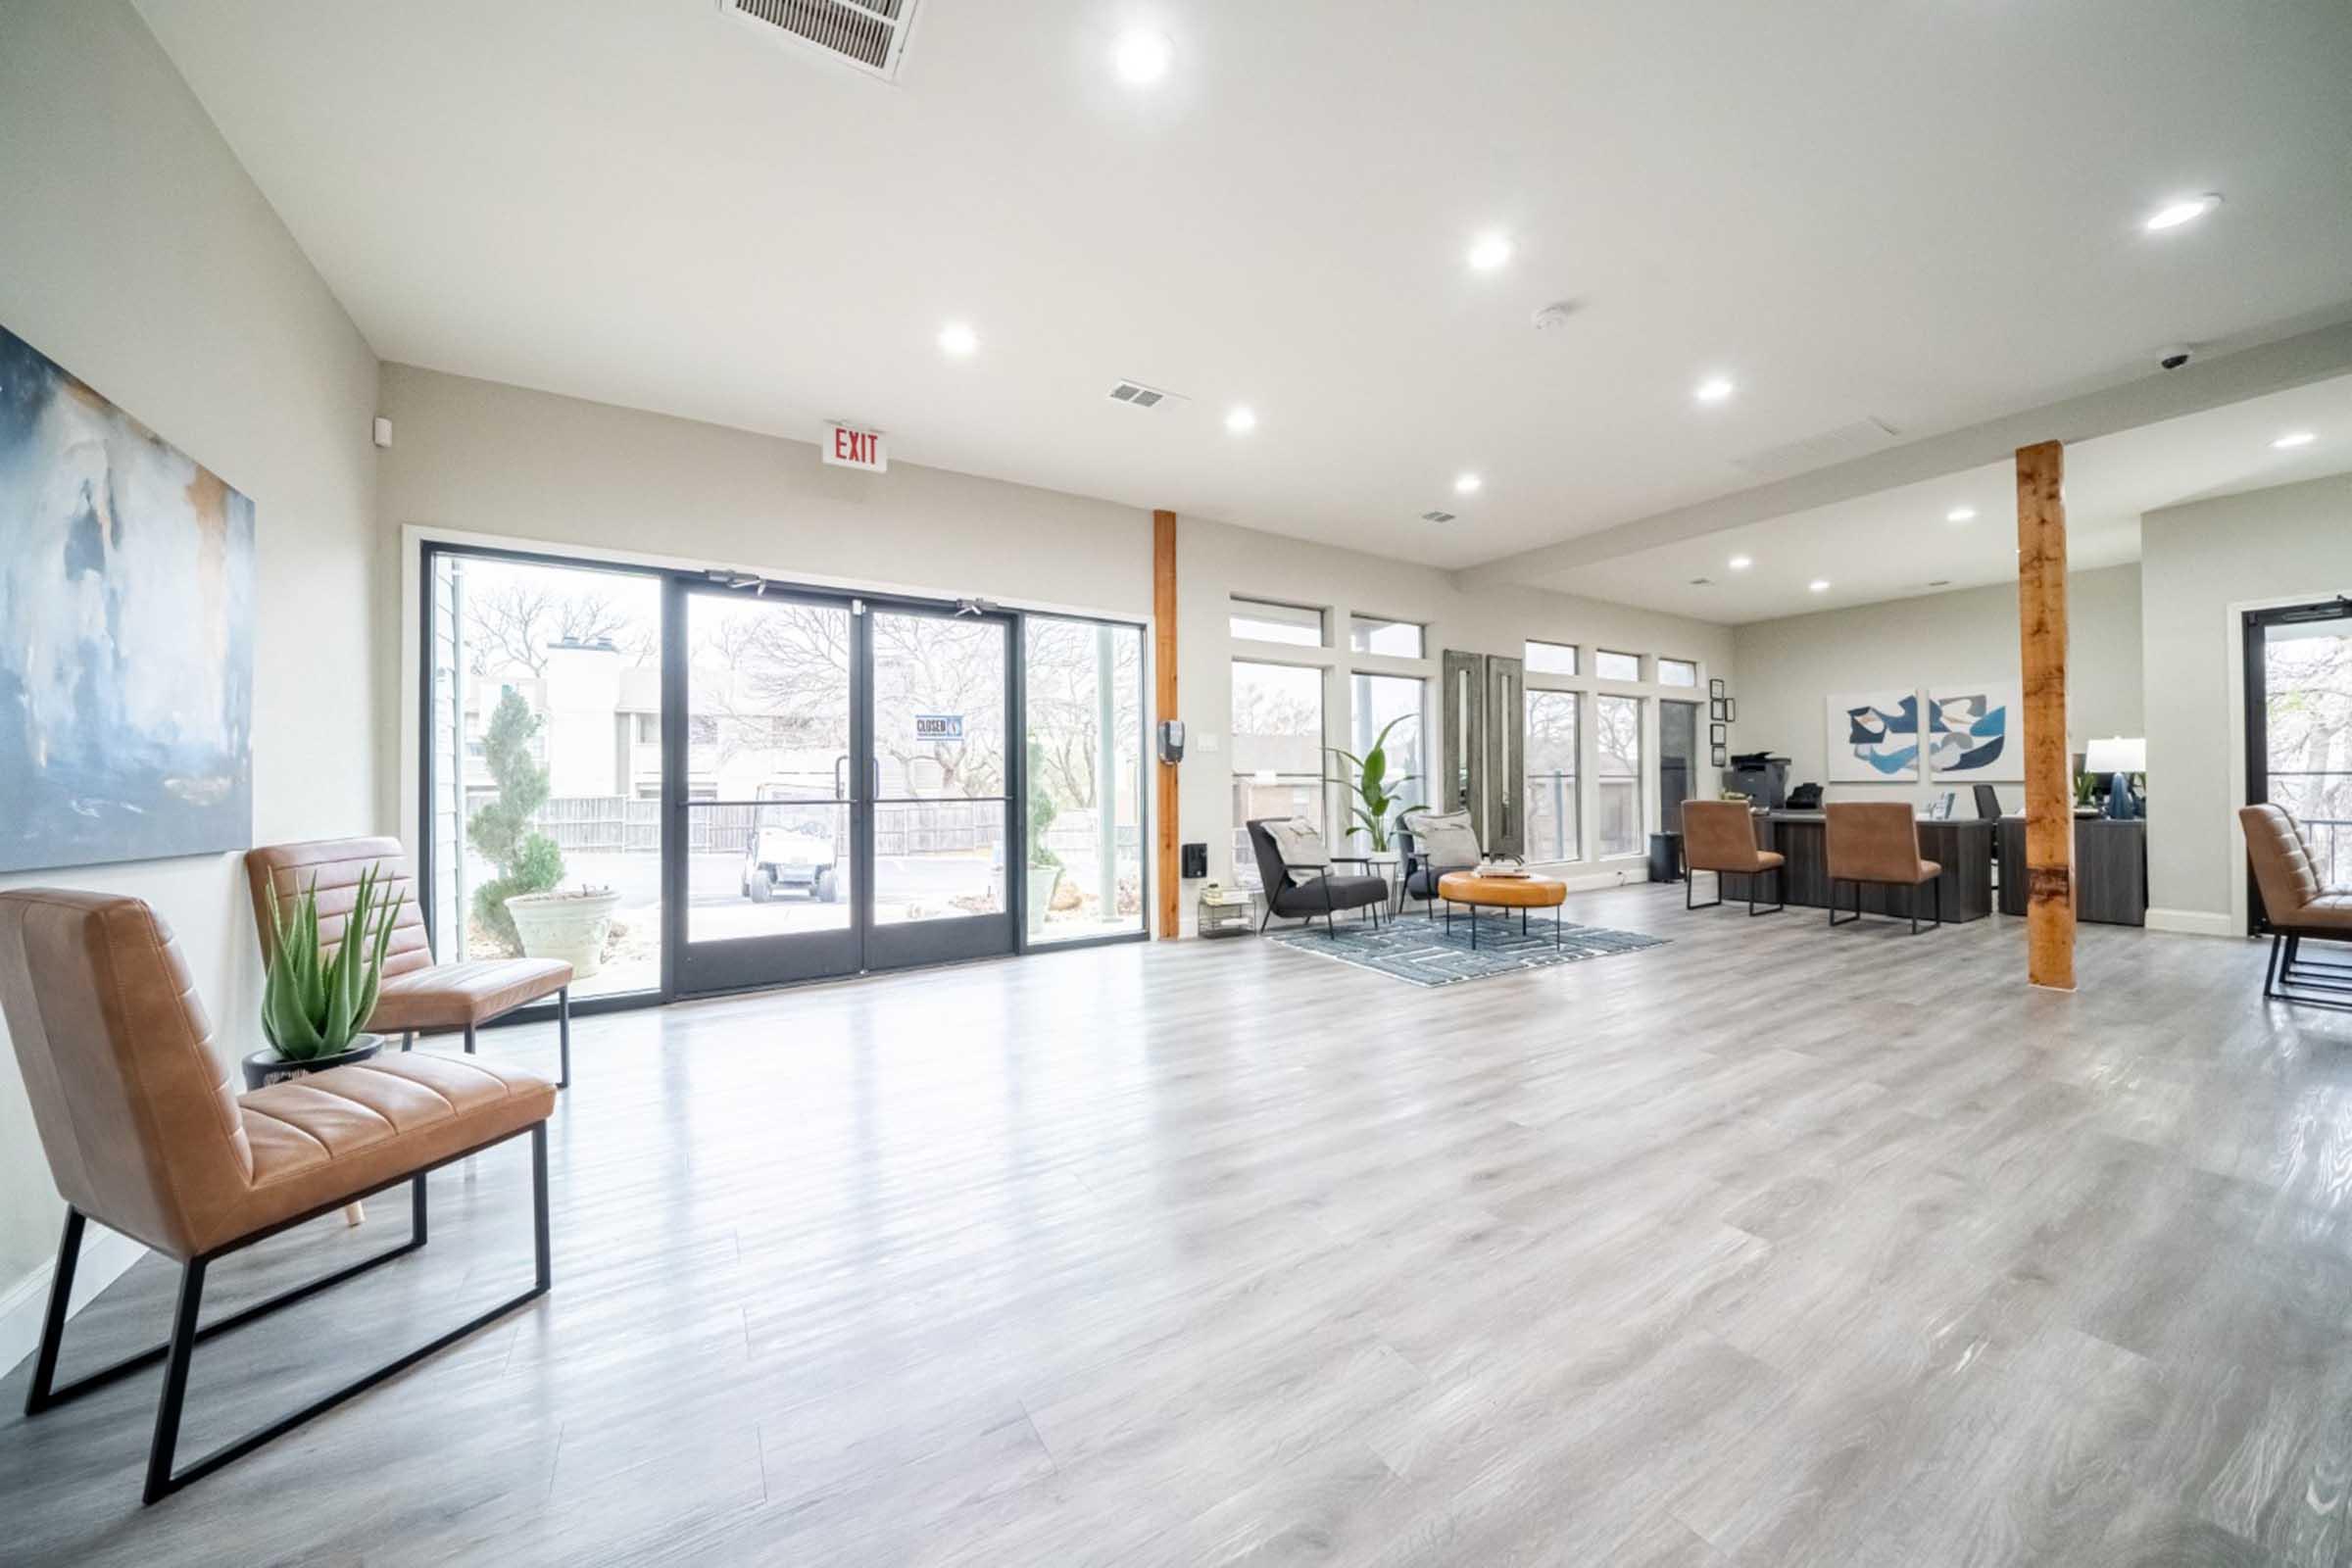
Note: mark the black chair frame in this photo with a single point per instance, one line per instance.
(1779, 873)
(176, 1353)
(2314, 982)
(1934, 905)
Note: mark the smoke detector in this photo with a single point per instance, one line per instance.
(866, 36)
(1555, 316)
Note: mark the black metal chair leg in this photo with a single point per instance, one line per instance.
(53, 1324)
(564, 1036)
(408, 1039)
(176, 1382)
(469, 1039)
(2270, 973)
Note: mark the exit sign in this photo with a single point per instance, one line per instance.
(848, 447)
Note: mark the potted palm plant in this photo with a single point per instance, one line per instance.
(314, 1003)
(1376, 799)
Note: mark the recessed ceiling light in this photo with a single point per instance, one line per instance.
(957, 339)
(1241, 421)
(1961, 515)
(2186, 209)
(1741, 563)
(1143, 57)
(1819, 585)
(1714, 389)
(1467, 484)
(2293, 439)
(1489, 253)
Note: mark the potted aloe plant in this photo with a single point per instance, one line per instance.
(314, 1003)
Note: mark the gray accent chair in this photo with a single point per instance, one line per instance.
(1422, 863)
(1302, 893)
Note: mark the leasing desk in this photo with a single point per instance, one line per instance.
(1962, 847)
(2111, 870)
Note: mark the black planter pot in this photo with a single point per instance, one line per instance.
(266, 1067)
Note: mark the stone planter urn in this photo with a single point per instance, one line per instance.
(570, 926)
(1043, 880)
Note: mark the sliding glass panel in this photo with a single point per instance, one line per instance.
(545, 765)
(1084, 696)
(1551, 814)
(939, 774)
(1617, 726)
(1277, 752)
(767, 757)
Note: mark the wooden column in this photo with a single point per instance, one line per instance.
(2049, 794)
(1163, 665)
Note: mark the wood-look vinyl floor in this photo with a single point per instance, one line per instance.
(1769, 1246)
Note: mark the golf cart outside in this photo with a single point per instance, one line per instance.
(793, 844)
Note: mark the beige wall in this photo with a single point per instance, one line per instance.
(2201, 564)
(140, 257)
(1790, 667)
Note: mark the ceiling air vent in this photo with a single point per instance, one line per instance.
(1136, 395)
(1436, 517)
(868, 35)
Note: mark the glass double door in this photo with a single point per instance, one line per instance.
(837, 782)
(2298, 672)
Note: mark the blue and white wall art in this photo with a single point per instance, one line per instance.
(126, 606)
(1968, 731)
(1874, 738)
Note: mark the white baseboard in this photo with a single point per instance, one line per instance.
(105, 1258)
(2193, 922)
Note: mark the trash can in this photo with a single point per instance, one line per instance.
(1665, 857)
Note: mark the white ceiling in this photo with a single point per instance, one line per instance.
(1926, 210)
(1899, 542)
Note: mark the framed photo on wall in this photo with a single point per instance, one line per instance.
(1719, 709)
(1715, 687)
(1716, 736)
(1719, 758)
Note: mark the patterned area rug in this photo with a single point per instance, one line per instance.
(1416, 950)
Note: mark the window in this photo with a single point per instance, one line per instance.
(1258, 621)
(1677, 672)
(1677, 761)
(1551, 659)
(1277, 752)
(1550, 793)
(1617, 734)
(1379, 703)
(1084, 710)
(1398, 639)
(1616, 666)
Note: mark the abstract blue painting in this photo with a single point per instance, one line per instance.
(1874, 738)
(1967, 731)
(127, 601)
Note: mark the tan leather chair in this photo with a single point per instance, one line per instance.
(2296, 905)
(1720, 836)
(145, 1134)
(1878, 842)
(418, 995)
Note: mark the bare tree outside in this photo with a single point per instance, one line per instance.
(2308, 675)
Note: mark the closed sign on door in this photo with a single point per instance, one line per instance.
(848, 447)
(938, 726)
